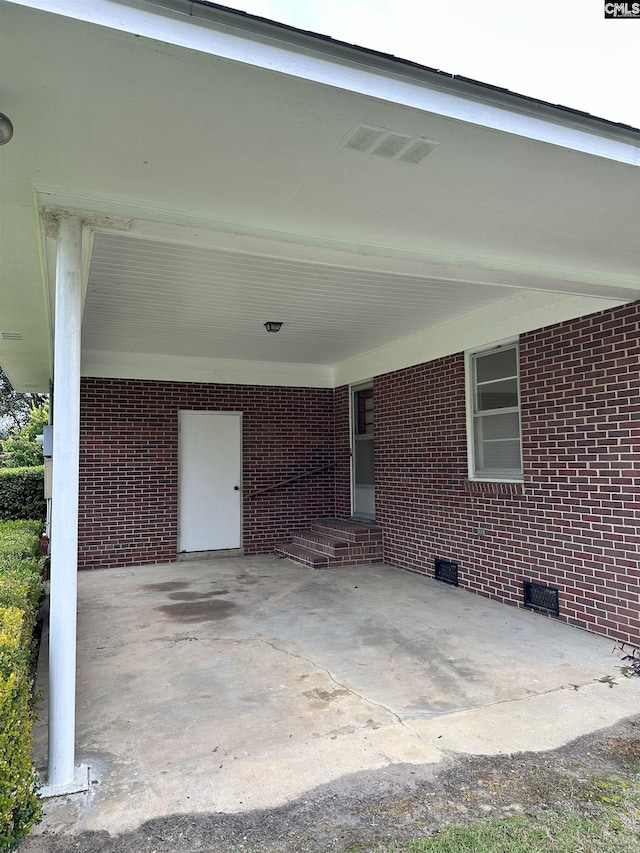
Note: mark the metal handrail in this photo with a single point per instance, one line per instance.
(293, 479)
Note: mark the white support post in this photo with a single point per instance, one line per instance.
(64, 507)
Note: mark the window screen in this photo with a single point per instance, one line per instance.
(496, 441)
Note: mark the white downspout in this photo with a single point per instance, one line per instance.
(64, 507)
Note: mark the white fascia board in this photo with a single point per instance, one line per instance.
(509, 318)
(454, 269)
(169, 368)
(327, 64)
(105, 215)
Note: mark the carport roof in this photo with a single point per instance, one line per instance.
(191, 7)
(214, 158)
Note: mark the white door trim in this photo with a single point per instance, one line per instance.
(362, 497)
(209, 484)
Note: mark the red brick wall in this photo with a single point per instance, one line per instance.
(129, 464)
(575, 523)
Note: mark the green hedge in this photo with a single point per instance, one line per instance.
(20, 595)
(22, 493)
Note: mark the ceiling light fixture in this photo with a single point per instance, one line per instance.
(272, 326)
(6, 129)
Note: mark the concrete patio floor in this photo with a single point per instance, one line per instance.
(243, 683)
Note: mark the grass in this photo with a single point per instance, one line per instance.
(522, 834)
(582, 798)
(607, 821)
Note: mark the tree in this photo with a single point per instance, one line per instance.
(15, 407)
(21, 449)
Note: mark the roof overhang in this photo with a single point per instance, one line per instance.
(205, 154)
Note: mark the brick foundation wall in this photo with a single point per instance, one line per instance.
(575, 522)
(129, 464)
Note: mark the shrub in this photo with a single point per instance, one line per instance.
(20, 583)
(20, 593)
(22, 493)
(21, 449)
(20, 539)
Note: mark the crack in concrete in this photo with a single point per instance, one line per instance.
(525, 698)
(433, 715)
(175, 639)
(343, 686)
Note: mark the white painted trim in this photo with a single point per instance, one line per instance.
(357, 386)
(311, 59)
(468, 406)
(106, 215)
(189, 503)
(508, 318)
(131, 365)
(48, 250)
(505, 342)
(64, 506)
(469, 392)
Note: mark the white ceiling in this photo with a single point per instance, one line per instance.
(156, 297)
(236, 202)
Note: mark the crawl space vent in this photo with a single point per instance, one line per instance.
(542, 598)
(390, 145)
(446, 571)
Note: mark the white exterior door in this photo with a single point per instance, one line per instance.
(209, 476)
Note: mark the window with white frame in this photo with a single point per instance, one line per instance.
(493, 401)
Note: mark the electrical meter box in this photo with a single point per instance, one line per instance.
(47, 445)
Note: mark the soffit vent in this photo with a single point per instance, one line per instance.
(390, 145)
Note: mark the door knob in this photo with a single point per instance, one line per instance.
(236, 488)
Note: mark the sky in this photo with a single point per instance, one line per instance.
(561, 51)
